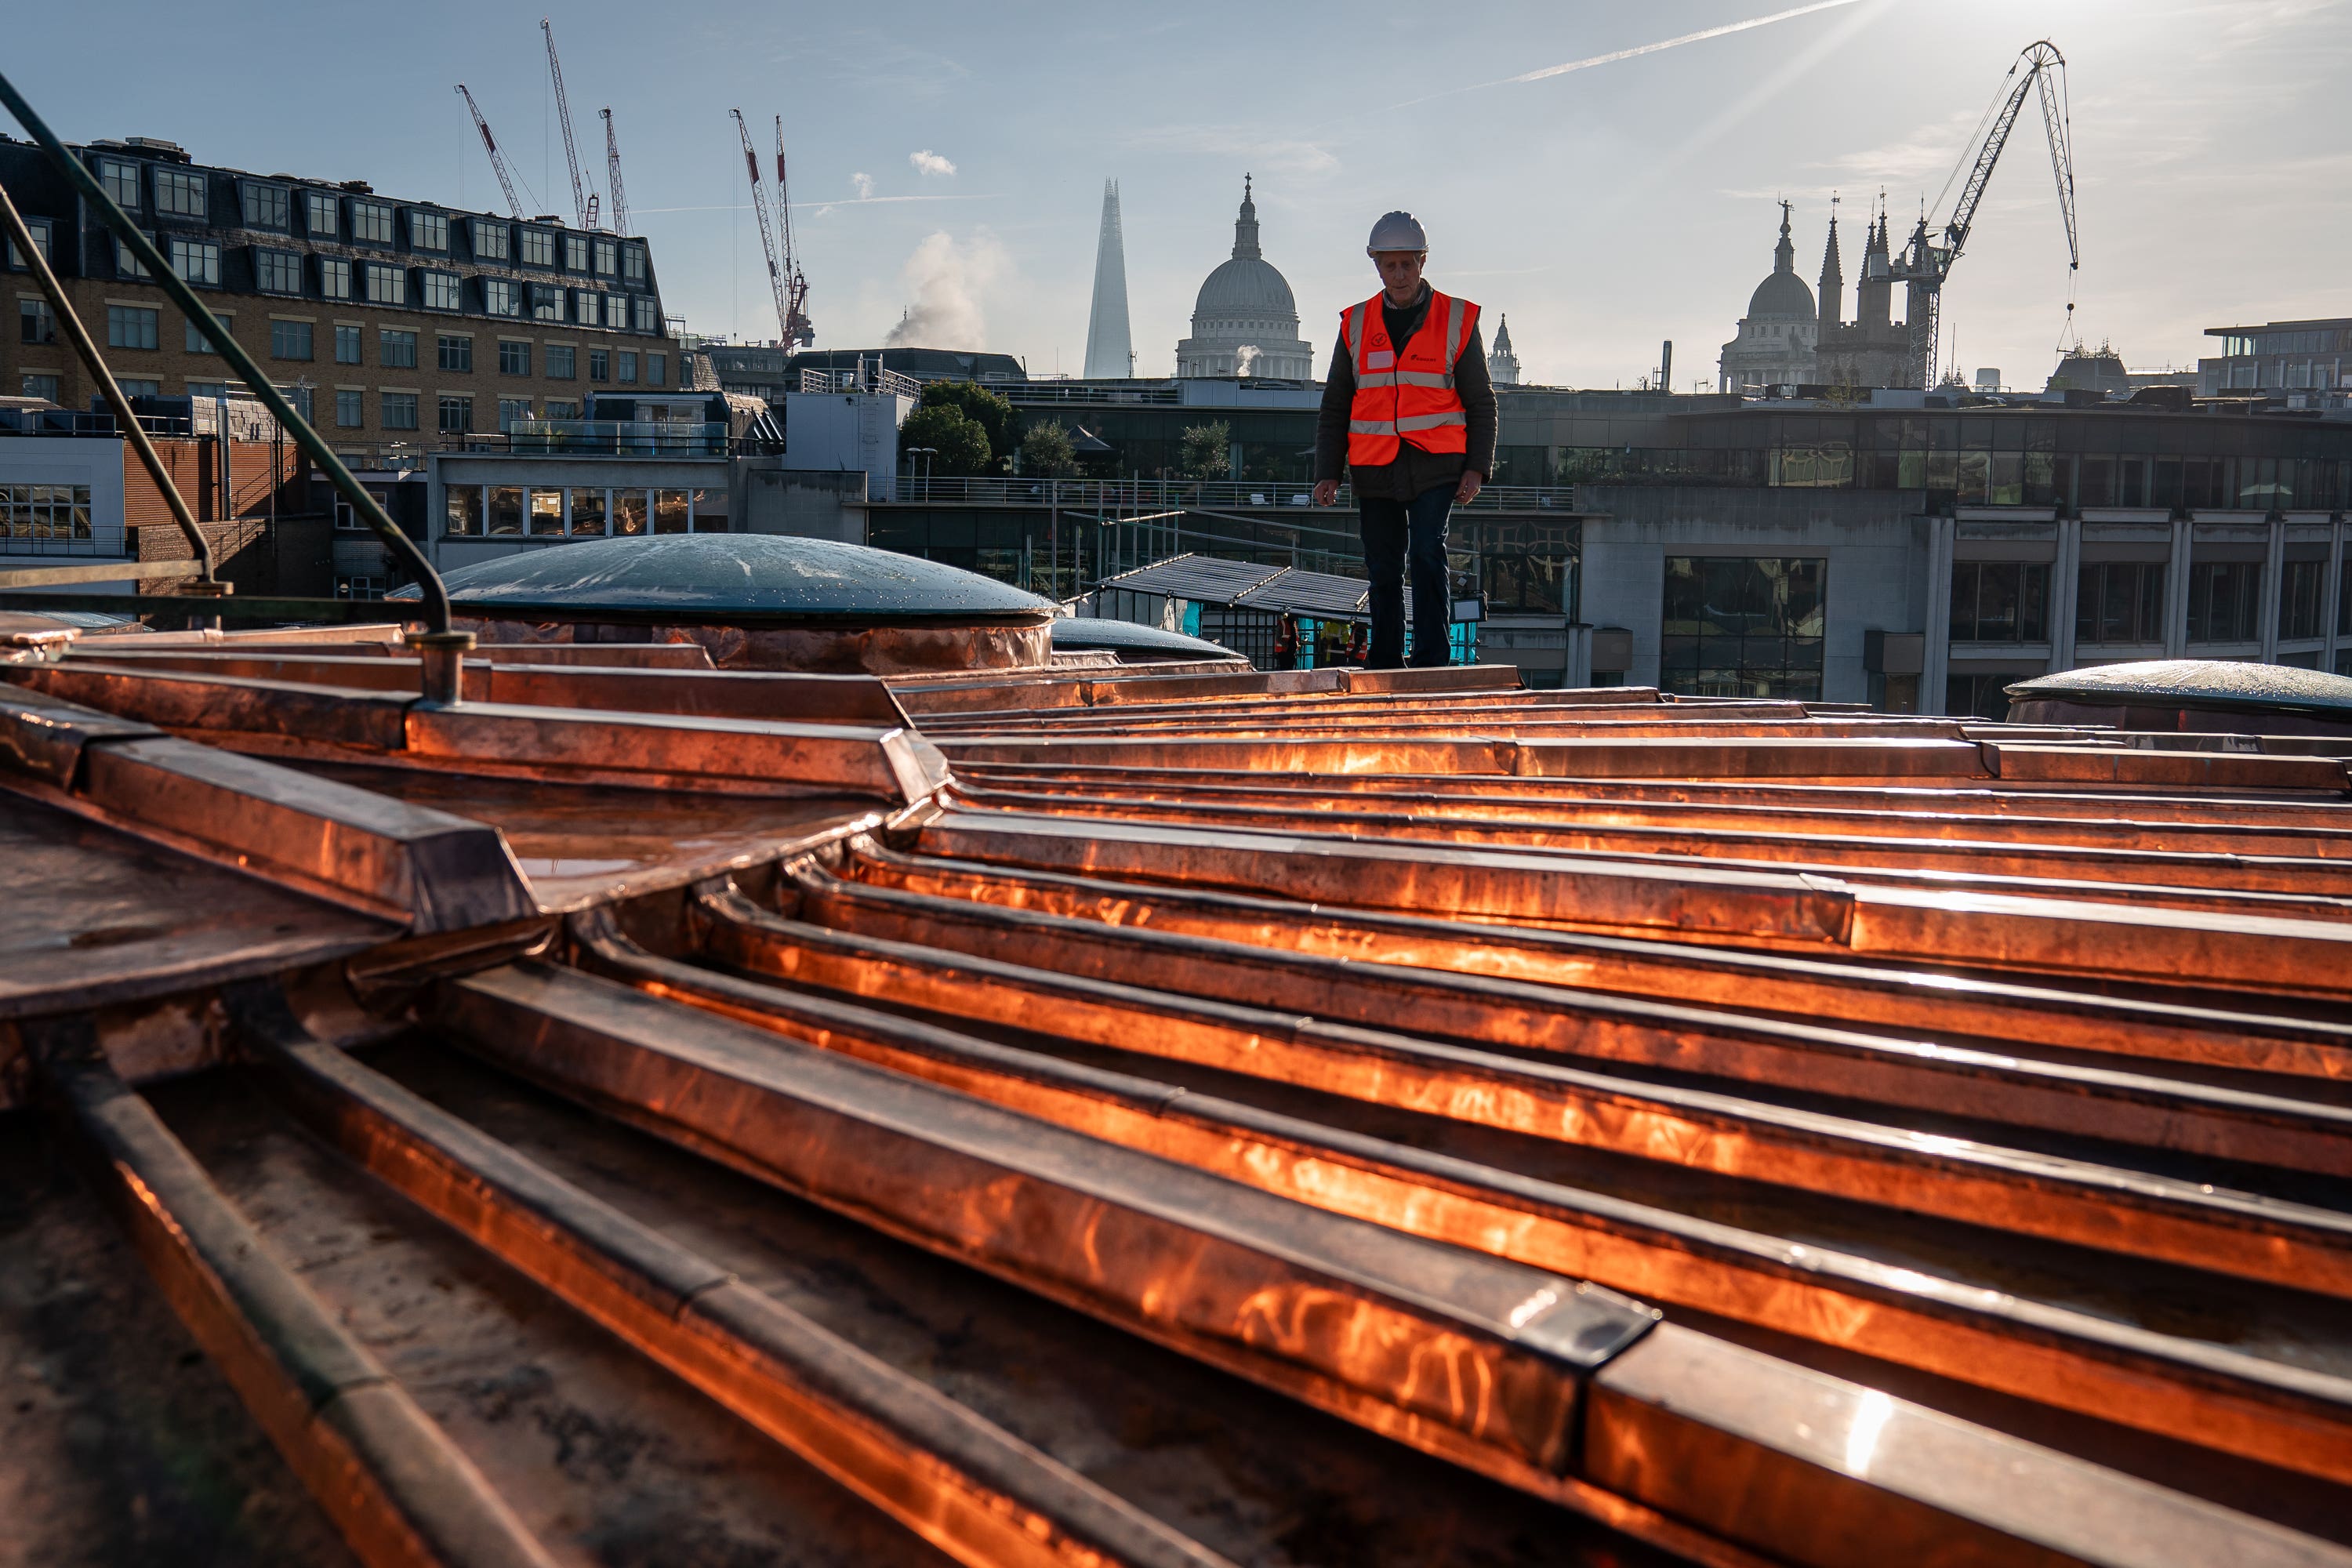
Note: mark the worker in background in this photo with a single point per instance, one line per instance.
(1286, 643)
(1409, 410)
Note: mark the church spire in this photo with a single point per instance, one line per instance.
(1784, 255)
(1833, 294)
(1245, 225)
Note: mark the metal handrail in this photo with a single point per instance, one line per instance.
(441, 645)
(86, 349)
(1271, 495)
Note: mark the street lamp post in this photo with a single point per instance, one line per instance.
(927, 453)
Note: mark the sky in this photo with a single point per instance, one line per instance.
(949, 159)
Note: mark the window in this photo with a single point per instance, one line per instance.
(513, 411)
(670, 511)
(347, 516)
(457, 416)
(395, 350)
(334, 278)
(299, 396)
(350, 411)
(2119, 601)
(347, 344)
(131, 327)
(372, 222)
(537, 247)
(628, 368)
(599, 363)
(127, 265)
(44, 512)
(491, 243)
(195, 260)
(575, 253)
(585, 310)
(289, 340)
(319, 214)
(500, 297)
(587, 511)
(265, 206)
(457, 353)
(514, 359)
(207, 391)
(1743, 627)
(710, 510)
(647, 316)
(39, 227)
(180, 193)
(628, 511)
(38, 384)
(461, 510)
(546, 513)
(2299, 598)
(200, 344)
(1981, 695)
(505, 509)
(36, 322)
(633, 263)
(546, 302)
(399, 410)
(656, 370)
(2225, 601)
(427, 231)
(360, 587)
(386, 285)
(608, 258)
(139, 387)
(120, 178)
(1999, 601)
(277, 271)
(562, 361)
(440, 291)
(562, 408)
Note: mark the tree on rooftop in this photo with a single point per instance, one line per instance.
(958, 439)
(1047, 450)
(988, 410)
(1207, 450)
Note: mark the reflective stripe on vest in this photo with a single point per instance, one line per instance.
(1411, 398)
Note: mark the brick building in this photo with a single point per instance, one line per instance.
(388, 322)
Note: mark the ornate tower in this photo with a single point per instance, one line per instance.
(1110, 356)
(1833, 294)
(1501, 364)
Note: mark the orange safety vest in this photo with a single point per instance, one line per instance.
(1406, 395)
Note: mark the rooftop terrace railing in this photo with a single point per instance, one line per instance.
(1218, 494)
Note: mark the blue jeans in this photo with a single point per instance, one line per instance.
(1401, 539)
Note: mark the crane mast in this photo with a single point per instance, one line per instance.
(583, 204)
(620, 210)
(767, 230)
(1925, 263)
(498, 159)
(798, 330)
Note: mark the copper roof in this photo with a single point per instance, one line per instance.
(1111, 1115)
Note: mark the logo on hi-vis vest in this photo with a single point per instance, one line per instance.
(1381, 359)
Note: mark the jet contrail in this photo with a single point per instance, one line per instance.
(1698, 37)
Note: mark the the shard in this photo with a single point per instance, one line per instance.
(1109, 355)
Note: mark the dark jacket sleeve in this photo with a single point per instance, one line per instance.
(1477, 390)
(1331, 424)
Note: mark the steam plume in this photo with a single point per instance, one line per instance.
(947, 279)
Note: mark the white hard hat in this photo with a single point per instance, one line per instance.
(1397, 231)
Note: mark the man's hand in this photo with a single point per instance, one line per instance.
(1473, 481)
(1326, 492)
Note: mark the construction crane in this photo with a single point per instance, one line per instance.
(1925, 263)
(798, 330)
(583, 201)
(619, 213)
(793, 328)
(498, 159)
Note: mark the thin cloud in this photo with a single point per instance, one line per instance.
(863, 184)
(930, 163)
(1263, 155)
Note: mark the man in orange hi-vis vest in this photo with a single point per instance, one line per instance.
(1410, 412)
